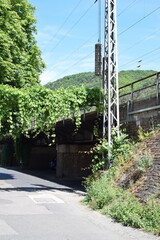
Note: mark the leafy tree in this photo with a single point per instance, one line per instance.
(20, 60)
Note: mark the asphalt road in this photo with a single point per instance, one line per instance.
(33, 208)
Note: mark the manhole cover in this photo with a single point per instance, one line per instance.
(45, 198)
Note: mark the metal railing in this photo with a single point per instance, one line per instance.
(141, 89)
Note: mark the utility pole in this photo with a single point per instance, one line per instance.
(110, 68)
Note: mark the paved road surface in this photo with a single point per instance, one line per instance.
(33, 208)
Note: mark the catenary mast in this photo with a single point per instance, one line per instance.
(110, 82)
(110, 71)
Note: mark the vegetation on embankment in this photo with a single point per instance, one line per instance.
(113, 191)
(89, 80)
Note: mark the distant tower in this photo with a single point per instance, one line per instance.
(111, 95)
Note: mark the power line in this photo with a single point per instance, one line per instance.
(74, 25)
(71, 54)
(153, 60)
(126, 8)
(138, 21)
(67, 18)
(150, 58)
(138, 42)
(140, 57)
(75, 64)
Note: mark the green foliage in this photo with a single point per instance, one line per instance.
(143, 160)
(151, 216)
(89, 79)
(37, 109)
(130, 76)
(103, 187)
(121, 147)
(122, 205)
(125, 209)
(99, 160)
(130, 212)
(100, 191)
(20, 60)
(142, 135)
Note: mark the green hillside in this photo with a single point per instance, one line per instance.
(89, 80)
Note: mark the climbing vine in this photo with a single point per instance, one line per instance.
(36, 109)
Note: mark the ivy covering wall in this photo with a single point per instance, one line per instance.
(37, 109)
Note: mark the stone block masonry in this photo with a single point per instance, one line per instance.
(151, 185)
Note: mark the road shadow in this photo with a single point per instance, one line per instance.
(54, 184)
(39, 188)
(6, 176)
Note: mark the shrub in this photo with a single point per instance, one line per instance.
(122, 206)
(101, 194)
(143, 160)
(121, 148)
(126, 210)
(151, 216)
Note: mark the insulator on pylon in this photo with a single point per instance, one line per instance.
(98, 59)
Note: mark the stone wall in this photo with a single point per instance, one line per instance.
(132, 117)
(151, 185)
(73, 161)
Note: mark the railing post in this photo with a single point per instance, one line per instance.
(157, 88)
(129, 108)
(131, 97)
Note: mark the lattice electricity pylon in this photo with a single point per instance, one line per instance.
(111, 95)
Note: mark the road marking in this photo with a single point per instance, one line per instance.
(45, 198)
(4, 184)
(6, 229)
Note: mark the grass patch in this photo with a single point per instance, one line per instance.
(112, 191)
(122, 206)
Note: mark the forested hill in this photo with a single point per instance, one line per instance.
(89, 80)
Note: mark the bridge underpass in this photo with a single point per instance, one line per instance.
(139, 106)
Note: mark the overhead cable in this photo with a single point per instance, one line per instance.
(136, 59)
(138, 42)
(71, 54)
(67, 18)
(126, 8)
(75, 64)
(74, 25)
(138, 21)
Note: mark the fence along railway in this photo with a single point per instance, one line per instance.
(141, 105)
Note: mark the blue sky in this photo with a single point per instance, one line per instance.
(68, 30)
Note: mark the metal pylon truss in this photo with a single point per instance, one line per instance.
(111, 95)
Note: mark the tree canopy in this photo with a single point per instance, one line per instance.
(20, 57)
